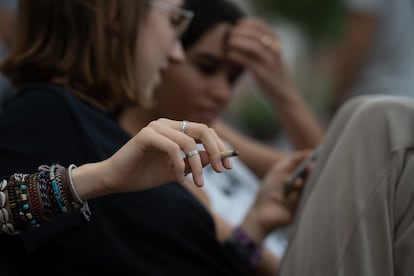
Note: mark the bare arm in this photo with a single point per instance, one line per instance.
(358, 34)
(302, 127)
(151, 158)
(269, 211)
(269, 263)
(255, 46)
(258, 156)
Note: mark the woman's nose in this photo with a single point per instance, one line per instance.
(220, 90)
(177, 51)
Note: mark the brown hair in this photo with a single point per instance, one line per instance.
(74, 41)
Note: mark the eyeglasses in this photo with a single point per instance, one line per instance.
(180, 18)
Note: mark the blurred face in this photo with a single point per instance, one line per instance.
(200, 87)
(158, 42)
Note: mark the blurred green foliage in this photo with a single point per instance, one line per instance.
(258, 117)
(320, 19)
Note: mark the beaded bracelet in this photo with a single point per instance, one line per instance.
(55, 187)
(17, 199)
(37, 209)
(44, 184)
(27, 200)
(27, 210)
(24, 204)
(246, 250)
(6, 226)
(53, 190)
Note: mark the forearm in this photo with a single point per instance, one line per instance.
(264, 60)
(268, 263)
(301, 125)
(351, 52)
(258, 156)
(90, 181)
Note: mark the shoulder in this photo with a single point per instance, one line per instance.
(37, 109)
(37, 127)
(36, 100)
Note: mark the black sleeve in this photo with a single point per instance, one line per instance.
(37, 128)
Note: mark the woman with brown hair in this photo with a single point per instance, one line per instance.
(75, 64)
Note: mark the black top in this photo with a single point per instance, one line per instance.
(163, 231)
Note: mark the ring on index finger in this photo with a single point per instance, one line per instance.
(184, 126)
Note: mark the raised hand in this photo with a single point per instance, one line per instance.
(271, 208)
(255, 46)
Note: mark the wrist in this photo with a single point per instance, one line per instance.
(87, 181)
(244, 248)
(253, 227)
(281, 91)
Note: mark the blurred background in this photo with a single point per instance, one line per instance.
(329, 46)
(309, 31)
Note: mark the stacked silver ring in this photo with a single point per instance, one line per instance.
(192, 153)
(184, 126)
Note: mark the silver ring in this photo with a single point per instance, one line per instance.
(191, 153)
(184, 126)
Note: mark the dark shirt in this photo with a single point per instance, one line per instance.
(7, 91)
(162, 231)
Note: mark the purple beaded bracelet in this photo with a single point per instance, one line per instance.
(247, 249)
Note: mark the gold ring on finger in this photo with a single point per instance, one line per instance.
(266, 40)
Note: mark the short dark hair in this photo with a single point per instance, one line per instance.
(207, 14)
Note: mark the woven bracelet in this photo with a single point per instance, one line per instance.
(247, 250)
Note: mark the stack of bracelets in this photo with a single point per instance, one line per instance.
(28, 200)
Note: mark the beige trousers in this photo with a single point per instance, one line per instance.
(356, 217)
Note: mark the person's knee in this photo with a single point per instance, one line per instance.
(390, 112)
(380, 105)
(353, 104)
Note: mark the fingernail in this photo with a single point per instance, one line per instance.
(218, 166)
(200, 181)
(227, 164)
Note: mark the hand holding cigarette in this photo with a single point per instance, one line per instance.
(229, 153)
(205, 159)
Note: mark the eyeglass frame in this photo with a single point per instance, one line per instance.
(186, 16)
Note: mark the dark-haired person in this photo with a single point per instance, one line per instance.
(75, 63)
(220, 44)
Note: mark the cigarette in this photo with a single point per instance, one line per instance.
(229, 153)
